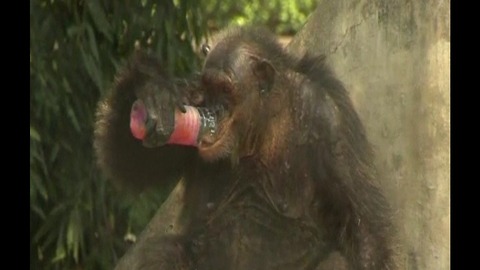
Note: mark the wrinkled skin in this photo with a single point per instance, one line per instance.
(286, 182)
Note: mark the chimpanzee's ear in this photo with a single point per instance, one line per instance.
(265, 73)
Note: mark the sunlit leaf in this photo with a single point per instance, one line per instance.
(73, 235)
(39, 253)
(60, 254)
(34, 134)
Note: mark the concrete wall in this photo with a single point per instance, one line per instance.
(394, 58)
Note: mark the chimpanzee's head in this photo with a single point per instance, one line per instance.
(238, 80)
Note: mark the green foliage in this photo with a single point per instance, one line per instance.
(284, 17)
(77, 219)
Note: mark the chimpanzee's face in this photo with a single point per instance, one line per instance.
(234, 83)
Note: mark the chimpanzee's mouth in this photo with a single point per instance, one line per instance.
(213, 116)
(219, 134)
(219, 97)
(220, 110)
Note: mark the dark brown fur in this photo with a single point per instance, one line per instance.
(291, 183)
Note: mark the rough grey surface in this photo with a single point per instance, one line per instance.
(394, 58)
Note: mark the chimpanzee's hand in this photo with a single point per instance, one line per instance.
(159, 95)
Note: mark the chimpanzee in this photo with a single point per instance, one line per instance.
(284, 180)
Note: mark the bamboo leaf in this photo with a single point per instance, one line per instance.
(66, 85)
(34, 134)
(74, 234)
(38, 211)
(60, 252)
(98, 16)
(93, 43)
(54, 153)
(73, 117)
(73, 30)
(92, 69)
(50, 222)
(37, 184)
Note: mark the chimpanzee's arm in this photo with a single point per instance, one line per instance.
(123, 157)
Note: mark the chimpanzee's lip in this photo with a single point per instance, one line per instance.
(218, 146)
(222, 114)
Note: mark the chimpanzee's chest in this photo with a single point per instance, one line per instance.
(247, 233)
